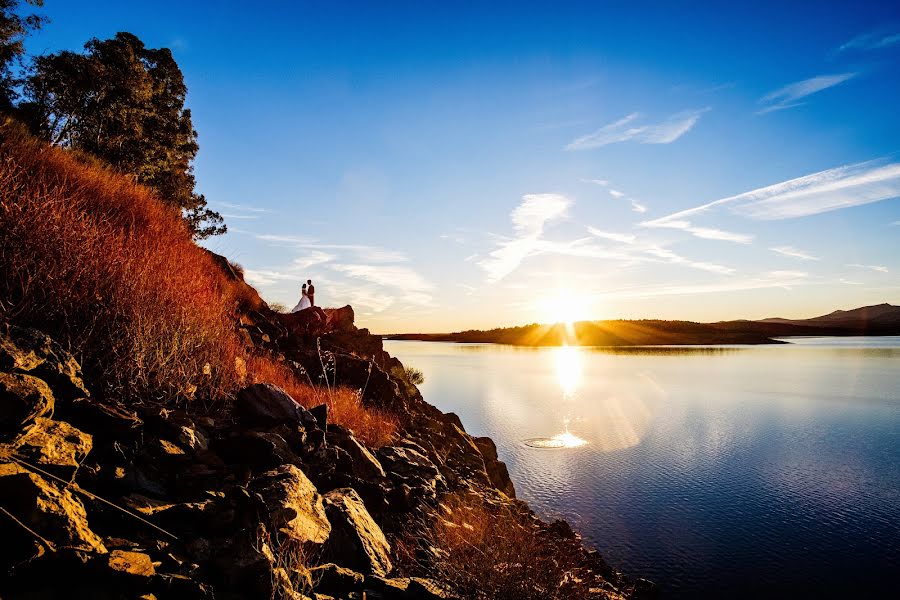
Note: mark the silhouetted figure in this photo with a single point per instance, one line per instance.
(311, 292)
(305, 300)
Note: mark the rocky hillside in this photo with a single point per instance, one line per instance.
(261, 498)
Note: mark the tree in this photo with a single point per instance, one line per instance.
(13, 30)
(124, 103)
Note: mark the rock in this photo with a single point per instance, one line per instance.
(54, 446)
(103, 421)
(170, 585)
(496, 469)
(293, 504)
(364, 465)
(51, 511)
(136, 564)
(427, 589)
(355, 540)
(411, 472)
(267, 403)
(382, 587)
(308, 322)
(333, 579)
(30, 351)
(193, 438)
(340, 319)
(260, 449)
(23, 398)
(320, 413)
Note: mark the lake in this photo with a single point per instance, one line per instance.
(739, 472)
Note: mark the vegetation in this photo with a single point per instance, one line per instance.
(414, 375)
(13, 30)
(486, 551)
(98, 262)
(123, 103)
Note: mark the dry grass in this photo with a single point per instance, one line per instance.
(374, 427)
(489, 551)
(290, 562)
(102, 265)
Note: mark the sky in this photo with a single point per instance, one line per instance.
(447, 166)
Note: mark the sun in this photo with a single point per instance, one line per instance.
(565, 306)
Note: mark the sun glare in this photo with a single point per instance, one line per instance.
(564, 306)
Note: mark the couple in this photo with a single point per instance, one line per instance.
(307, 297)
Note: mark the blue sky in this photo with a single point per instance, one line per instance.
(444, 166)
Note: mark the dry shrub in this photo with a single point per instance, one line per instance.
(486, 551)
(373, 426)
(102, 265)
(290, 562)
(98, 262)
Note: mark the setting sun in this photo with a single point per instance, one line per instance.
(565, 306)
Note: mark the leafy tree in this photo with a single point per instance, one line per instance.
(13, 30)
(124, 103)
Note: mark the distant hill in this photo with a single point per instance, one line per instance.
(879, 315)
(882, 319)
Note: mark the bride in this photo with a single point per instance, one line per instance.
(304, 301)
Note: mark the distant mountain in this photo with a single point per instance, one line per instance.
(882, 319)
(859, 318)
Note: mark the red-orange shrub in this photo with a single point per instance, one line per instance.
(103, 266)
(373, 426)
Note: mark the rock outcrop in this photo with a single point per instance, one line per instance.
(263, 498)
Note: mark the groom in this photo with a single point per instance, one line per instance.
(311, 292)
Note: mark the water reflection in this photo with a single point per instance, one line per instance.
(568, 362)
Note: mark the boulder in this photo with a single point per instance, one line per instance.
(409, 467)
(364, 465)
(332, 579)
(427, 589)
(30, 351)
(293, 504)
(54, 446)
(134, 564)
(496, 469)
(259, 449)
(267, 403)
(105, 421)
(355, 540)
(23, 398)
(340, 319)
(47, 509)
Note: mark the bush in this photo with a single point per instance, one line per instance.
(488, 550)
(414, 375)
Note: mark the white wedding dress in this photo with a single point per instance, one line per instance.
(303, 304)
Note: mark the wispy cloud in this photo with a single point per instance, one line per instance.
(871, 41)
(636, 251)
(372, 277)
(833, 189)
(773, 279)
(878, 268)
(528, 220)
(789, 95)
(412, 286)
(792, 252)
(629, 129)
(707, 233)
(635, 205)
(625, 238)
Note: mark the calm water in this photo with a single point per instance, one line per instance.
(721, 472)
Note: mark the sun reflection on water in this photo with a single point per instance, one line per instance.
(568, 362)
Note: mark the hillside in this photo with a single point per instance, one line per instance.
(164, 434)
(883, 319)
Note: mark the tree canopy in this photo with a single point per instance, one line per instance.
(13, 30)
(123, 102)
